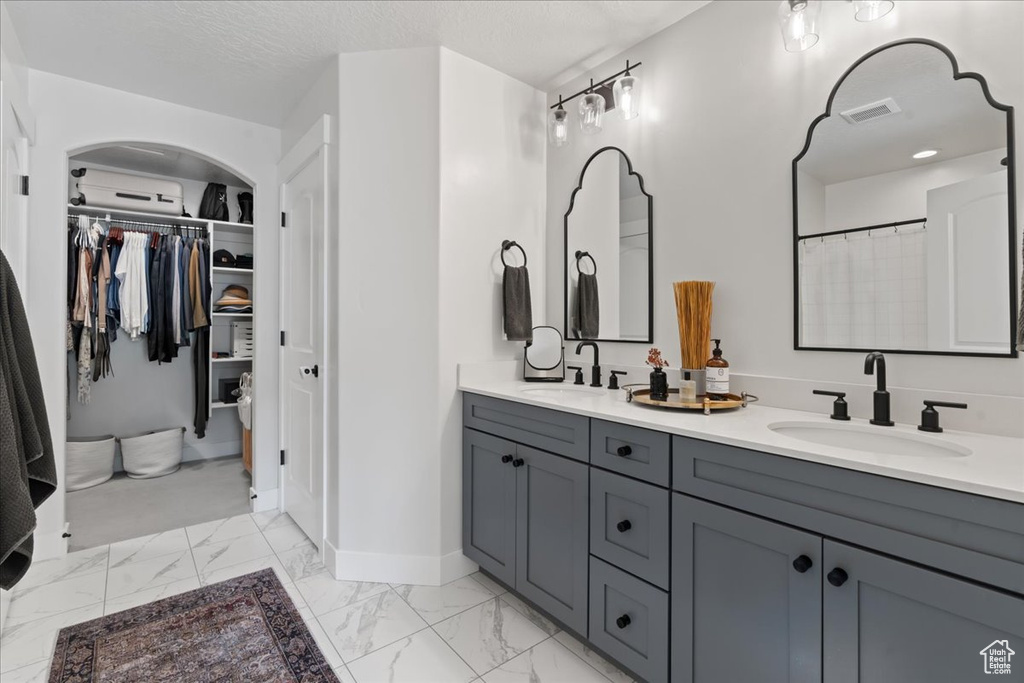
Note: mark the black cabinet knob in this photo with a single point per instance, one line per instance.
(624, 526)
(837, 577)
(623, 621)
(506, 459)
(623, 451)
(518, 462)
(803, 563)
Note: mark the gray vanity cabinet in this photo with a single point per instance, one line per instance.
(746, 597)
(890, 621)
(551, 535)
(489, 504)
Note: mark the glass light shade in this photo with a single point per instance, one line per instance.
(869, 10)
(626, 92)
(558, 127)
(591, 112)
(798, 20)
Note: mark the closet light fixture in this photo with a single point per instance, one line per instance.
(558, 125)
(798, 20)
(591, 111)
(869, 10)
(925, 153)
(626, 93)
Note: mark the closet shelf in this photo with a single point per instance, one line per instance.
(220, 404)
(232, 315)
(124, 214)
(232, 360)
(233, 271)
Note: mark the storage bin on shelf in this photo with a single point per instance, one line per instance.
(89, 461)
(154, 454)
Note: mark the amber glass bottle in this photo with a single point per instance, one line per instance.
(717, 374)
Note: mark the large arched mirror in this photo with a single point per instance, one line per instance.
(903, 203)
(608, 260)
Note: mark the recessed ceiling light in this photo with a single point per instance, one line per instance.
(925, 153)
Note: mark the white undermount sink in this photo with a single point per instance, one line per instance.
(555, 392)
(869, 439)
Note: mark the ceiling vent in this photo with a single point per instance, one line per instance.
(870, 112)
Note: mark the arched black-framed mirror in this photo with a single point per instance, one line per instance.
(609, 235)
(904, 211)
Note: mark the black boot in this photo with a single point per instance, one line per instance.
(245, 207)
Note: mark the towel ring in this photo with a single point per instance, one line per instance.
(508, 244)
(582, 255)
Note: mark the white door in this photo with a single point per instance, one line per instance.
(302, 315)
(13, 221)
(968, 272)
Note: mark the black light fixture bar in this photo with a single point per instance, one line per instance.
(594, 86)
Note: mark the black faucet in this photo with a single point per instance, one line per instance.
(595, 373)
(881, 395)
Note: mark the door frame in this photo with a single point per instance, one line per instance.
(310, 148)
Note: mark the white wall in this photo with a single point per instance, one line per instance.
(492, 188)
(72, 114)
(725, 110)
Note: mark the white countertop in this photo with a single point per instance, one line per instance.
(994, 468)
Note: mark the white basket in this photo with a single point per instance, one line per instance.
(154, 454)
(89, 461)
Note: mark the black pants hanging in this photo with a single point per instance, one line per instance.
(200, 373)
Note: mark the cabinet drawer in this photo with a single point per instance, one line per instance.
(629, 620)
(550, 430)
(633, 451)
(629, 525)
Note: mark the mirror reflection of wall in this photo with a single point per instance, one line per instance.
(609, 224)
(902, 212)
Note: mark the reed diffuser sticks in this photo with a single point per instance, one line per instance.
(693, 313)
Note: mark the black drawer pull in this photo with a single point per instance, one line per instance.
(518, 462)
(802, 563)
(623, 451)
(624, 526)
(623, 621)
(837, 577)
(506, 459)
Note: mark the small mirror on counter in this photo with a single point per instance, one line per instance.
(903, 211)
(544, 356)
(608, 260)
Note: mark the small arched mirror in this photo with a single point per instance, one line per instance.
(608, 262)
(543, 358)
(904, 226)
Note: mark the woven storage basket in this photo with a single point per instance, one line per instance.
(154, 454)
(89, 461)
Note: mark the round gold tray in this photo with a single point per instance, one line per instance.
(704, 403)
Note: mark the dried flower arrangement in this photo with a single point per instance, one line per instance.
(655, 360)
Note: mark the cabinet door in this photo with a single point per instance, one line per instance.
(742, 609)
(489, 504)
(893, 622)
(551, 535)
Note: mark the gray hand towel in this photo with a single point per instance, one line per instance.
(589, 308)
(518, 318)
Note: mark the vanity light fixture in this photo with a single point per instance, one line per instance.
(591, 111)
(798, 20)
(626, 92)
(925, 153)
(625, 95)
(869, 10)
(558, 125)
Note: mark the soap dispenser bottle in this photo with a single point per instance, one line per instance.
(717, 374)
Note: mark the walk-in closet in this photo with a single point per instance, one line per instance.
(160, 322)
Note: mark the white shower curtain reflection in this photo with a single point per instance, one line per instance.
(864, 290)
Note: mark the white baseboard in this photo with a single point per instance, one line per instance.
(423, 570)
(264, 500)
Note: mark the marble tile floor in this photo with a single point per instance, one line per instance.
(470, 630)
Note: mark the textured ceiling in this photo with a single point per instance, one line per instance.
(252, 59)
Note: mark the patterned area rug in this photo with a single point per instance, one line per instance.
(245, 630)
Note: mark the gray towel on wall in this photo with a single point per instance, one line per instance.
(588, 314)
(518, 316)
(28, 472)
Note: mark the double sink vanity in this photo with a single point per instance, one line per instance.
(762, 544)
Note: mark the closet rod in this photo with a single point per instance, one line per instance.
(118, 221)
